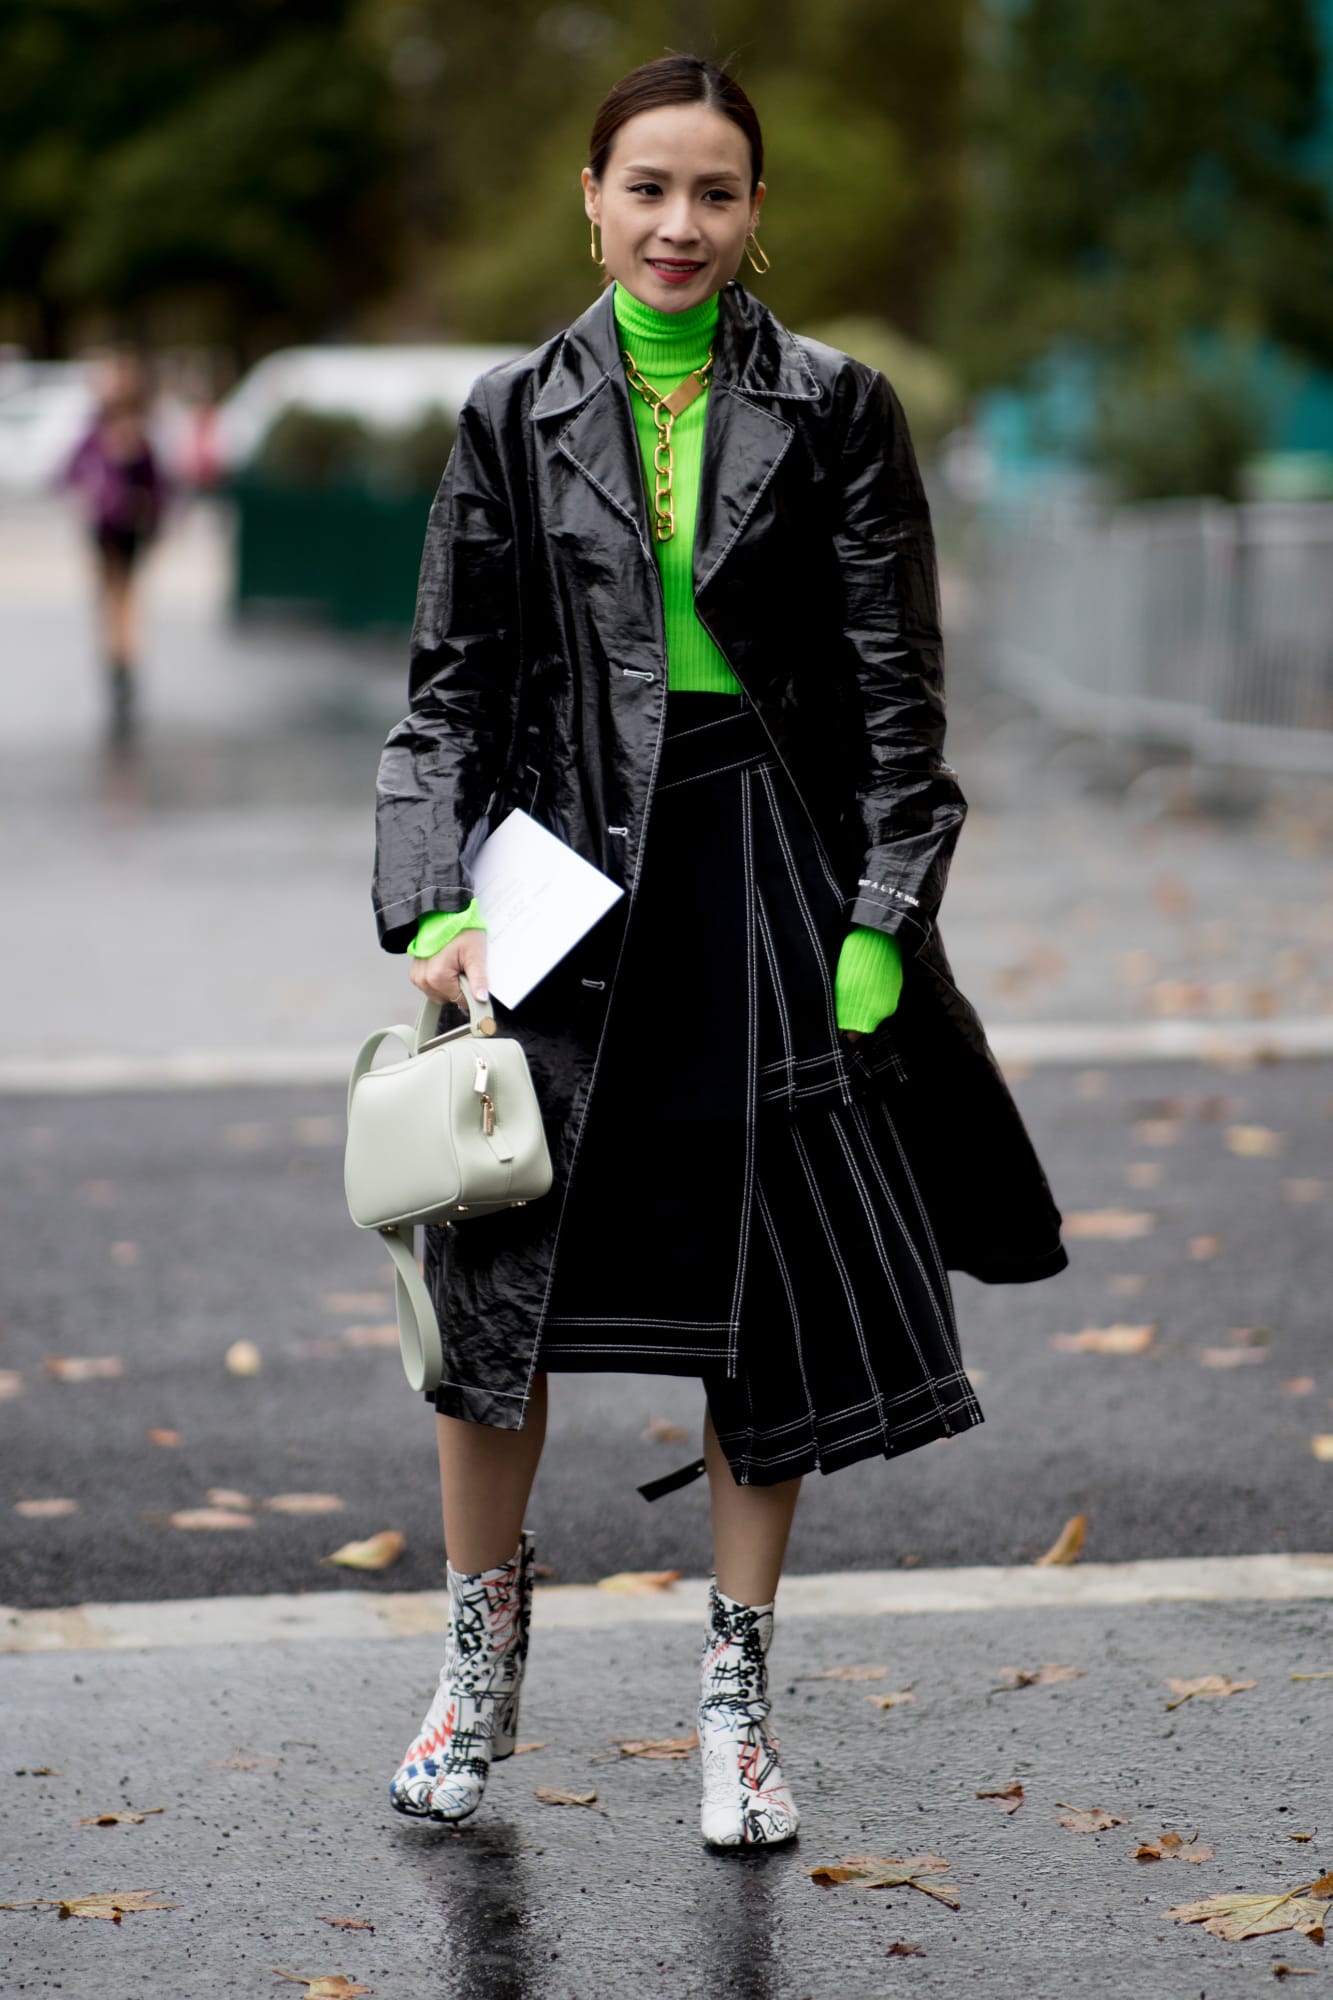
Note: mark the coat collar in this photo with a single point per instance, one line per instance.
(753, 354)
(757, 366)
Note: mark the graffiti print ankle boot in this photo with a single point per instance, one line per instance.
(473, 1719)
(746, 1800)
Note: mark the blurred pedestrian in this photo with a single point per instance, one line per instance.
(679, 602)
(116, 473)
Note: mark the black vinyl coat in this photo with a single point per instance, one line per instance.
(538, 678)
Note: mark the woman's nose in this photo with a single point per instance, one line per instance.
(677, 224)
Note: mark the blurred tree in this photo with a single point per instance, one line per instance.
(226, 169)
(1140, 174)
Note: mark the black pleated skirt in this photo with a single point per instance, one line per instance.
(742, 1207)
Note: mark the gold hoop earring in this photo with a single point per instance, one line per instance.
(767, 264)
(592, 247)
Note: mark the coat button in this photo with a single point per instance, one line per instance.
(638, 674)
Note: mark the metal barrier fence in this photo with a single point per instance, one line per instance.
(1187, 622)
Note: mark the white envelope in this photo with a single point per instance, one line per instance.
(538, 898)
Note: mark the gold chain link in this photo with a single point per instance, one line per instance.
(664, 462)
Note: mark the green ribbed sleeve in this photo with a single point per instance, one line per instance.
(440, 928)
(868, 980)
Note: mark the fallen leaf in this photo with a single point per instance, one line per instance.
(353, 1302)
(1065, 1548)
(1322, 1445)
(894, 1700)
(887, 1871)
(315, 1131)
(1157, 1131)
(11, 1384)
(227, 1496)
(1127, 1286)
(1203, 1247)
(1143, 1173)
(1207, 1684)
(1009, 1797)
(124, 1254)
(210, 1517)
(1092, 1083)
(551, 1795)
(1113, 1225)
(383, 1334)
(1234, 1916)
(662, 1748)
(303, 1503)
(1283, 1971)
(1250, 1336)
(639, 1582)
(1302, 1837)
(1254, 1142)
(113, 1904)
(48, 1771)
(168, 1439)
(375, 1553)
(348, 1923)
(83, 1367)
(1172, 1847)
(1021, 1677)
(122, 1818)
(329, 1985)
(1106, 1340)
(1231, 1357)
(661, 1430)
(243, 1358)
(45, 1510)
(1172, 896)
(521, 1749)
(905, 1951)
(1299, 1385)
(1087, 1819)
(1304, 1190)
(1312, 1677)
(847, 1674)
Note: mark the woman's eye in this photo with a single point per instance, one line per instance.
(646, 187)
(721, 194)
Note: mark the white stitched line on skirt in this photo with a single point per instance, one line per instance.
(948, 1325)
(617, 1347)
(717, 771)
(799, 1147)
(886, 1262)
(787, 1066)
(785, 1275)
(637, 1319)
(845, 1444)
(751, 1065)
(798, 893)
(956, 1380)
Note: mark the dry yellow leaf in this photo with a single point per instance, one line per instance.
(1143, 1173)
(900, 1950)
(885, 1871)
(661, 1748)
(1322, 1445)
(1254, 1142)
(45, 1510)
(1206, 1684)
(122, 1818)
(383, 1333)
(1157, 1131)
(1234, 1917)
(521, 1749)
(1231, 1357)
(303, 1503)
(168, 1439)
(1020, 1677)
(11, 1384)
(1304, 1190)
(639, 1582)
(227, 1496)
(375, 1553)
(1172, 1847)
(83, 1367)
(1106, 1340)
(894, 1700)
(243, 1358)
(551, 1795)
(328, 1986)
(111, 1904)
(348, 1923)
(1087, 1819)
(1203, 1247)
(1299, 1385)
(1067, 1544)
(1112, 1225)
(1009, 1797)
(661, 1430)
(1127, 1285)
(210, 1517)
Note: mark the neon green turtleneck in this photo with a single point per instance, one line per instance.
(666, 346)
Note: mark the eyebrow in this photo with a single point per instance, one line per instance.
(664, 173)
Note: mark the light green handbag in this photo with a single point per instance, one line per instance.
(452, 1132)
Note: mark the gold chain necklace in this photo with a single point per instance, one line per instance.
(665, 410)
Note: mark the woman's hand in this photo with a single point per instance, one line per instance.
(852, 1034)
(437, 977)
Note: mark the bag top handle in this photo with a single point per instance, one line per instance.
(480, 1020)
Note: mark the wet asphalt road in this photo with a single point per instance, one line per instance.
(156, 1230)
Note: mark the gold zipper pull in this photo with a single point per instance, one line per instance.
(487, 1115)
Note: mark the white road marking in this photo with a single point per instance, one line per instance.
(363, 1614)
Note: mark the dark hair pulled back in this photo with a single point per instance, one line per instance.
(674, 80)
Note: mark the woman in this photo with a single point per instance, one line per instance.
(120, 483)
(698, 639)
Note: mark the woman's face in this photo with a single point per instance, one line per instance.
(674, 205)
